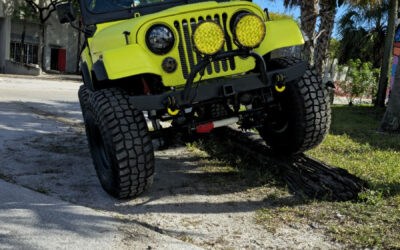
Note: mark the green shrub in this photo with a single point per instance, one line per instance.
(361, 80)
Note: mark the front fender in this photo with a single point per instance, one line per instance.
(280, 34)
(127, 61)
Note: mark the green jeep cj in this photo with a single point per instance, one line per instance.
(198, 64)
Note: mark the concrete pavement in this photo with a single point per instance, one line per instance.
(43, 147)
(31, 220)
(46, 76)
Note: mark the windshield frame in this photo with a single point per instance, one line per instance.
(93, 18)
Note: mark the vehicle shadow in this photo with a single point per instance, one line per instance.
(213, 180)
(44, 143)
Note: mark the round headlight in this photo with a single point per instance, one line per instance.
(249, 30)
(208, 38)
(160, 39)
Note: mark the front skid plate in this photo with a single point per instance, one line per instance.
(209, 90)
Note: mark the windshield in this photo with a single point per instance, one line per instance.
(101, 6)
(101, 11)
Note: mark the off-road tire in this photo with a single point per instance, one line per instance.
(83, 95)
(306, 108)
(119, 142)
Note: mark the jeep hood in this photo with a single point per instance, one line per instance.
(111, 35)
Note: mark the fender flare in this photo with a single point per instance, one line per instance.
(87, 80)
(124, 62)
(280, 34)
(99, 71)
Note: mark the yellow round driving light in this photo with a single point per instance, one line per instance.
(208, 38)
(249, 30)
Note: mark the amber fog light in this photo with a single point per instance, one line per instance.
(208, 38)
(249, 30)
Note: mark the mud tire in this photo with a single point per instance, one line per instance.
(119, 142)
(306, 108)
(83, 95)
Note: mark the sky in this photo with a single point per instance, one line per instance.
(277, 7)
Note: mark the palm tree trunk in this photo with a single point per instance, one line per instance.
(386, 61)
(327, 14)
(391, 120)
(308, 17)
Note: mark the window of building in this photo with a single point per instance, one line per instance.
(30, 52)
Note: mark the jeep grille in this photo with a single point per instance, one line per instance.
(187, 53)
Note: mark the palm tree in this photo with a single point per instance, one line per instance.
(386, 61)
(308, 18)
(327, 12)
(391, 119)
(327, 20)
(363, 32)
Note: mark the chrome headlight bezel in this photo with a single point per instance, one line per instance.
(160, 39)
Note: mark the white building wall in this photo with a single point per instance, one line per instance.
(2, 8)
(61, 36)
(32, 31)
(5, 28)
(56, 36)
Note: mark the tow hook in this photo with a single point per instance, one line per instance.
(279, 80)
(171, 106)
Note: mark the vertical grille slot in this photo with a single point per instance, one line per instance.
(189, 49)
(228, 41)
(193, 25)
(216, 64)
(181, 51)
(209, 66)
(224, 62)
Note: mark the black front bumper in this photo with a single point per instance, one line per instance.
(218, 88)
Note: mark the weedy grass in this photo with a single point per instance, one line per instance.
(353, 144)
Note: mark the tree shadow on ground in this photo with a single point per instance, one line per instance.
(28, 217)
(361, 124)
(222, 181)
(43, 156)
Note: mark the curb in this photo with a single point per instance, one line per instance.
(75, 78)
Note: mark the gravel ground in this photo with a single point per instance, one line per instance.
(43, 147)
